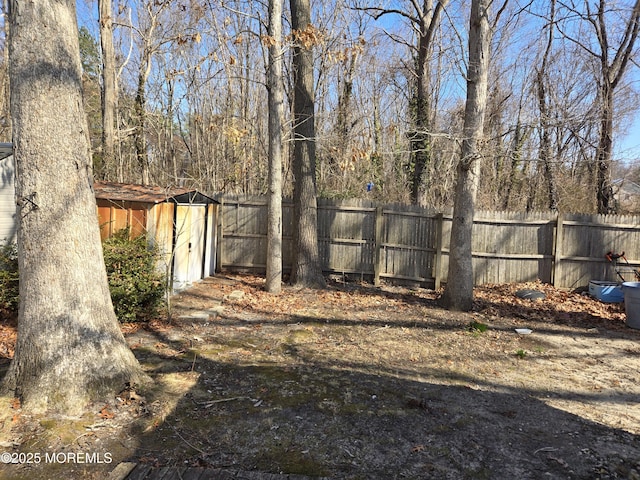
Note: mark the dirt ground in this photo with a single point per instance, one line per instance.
(357, 382)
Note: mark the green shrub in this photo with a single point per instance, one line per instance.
(137, 289)
(9, 290)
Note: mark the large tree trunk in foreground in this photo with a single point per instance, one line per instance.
(70, 350)
(459, 291)
(306, 270)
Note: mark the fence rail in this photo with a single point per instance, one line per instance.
(410, 243)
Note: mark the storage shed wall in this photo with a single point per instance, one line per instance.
(194, 256)
(8, 217)
(155, 220)
(160, 228)
(116, 215)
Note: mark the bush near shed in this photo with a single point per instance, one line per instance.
(137, 289)
(9, 288)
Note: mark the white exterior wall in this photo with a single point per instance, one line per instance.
(8, 220)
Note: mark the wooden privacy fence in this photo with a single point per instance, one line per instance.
(411, 243)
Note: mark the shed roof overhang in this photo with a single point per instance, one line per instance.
(128, 192)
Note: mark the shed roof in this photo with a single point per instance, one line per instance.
(129, 192)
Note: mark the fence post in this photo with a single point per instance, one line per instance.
(557, 249)
(377, 245)
(437, 265)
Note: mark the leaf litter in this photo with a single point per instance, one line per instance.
(358, 382)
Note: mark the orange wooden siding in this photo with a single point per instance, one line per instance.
(116, 215)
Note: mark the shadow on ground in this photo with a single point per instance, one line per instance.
(341, 422)
(255, 391)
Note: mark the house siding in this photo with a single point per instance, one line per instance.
(8, 223)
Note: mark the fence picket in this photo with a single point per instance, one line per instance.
(411, 243)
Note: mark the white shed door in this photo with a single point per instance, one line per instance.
(188, 262)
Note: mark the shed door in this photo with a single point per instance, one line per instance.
(188, 262)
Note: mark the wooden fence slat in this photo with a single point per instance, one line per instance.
(379, 226)
(411, 243)
(437, 266)
(557, 247)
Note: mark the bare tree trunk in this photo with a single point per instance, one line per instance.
(376, 156)
(140, 107)
(604, 190)
(306, 270)
(458, 294)
(5, 114)
(109, 92)
(520, 134)
(70, 350)
(276, 115)
(545, 121)
(425, 20)
(420, 141)
(611, 74)
(343, 122)
(429, 20)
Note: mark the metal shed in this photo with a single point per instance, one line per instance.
(181, 222)
(8, 222)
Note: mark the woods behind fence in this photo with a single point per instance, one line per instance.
(403, 242)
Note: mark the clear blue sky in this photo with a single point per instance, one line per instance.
(627, 148)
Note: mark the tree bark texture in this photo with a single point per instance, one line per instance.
(109, 92)
(604, 194)
(458, 294)
(276, 114)
(5, 114)
(306, 270)
(70, 350)
(429, 20)
(140, 108)
(545, 117)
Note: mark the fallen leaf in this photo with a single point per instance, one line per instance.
(106, 413)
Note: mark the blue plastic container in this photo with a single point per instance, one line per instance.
(631, 292)
(609, 292)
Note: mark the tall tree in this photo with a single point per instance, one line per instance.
(425, 19)
(70, 350)
(611, 72)
(5, 115)
(148, 48)
(546, 124)
(109, 90)
(306, 270)
(458, 294)
(612, 61)
(275, 87)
